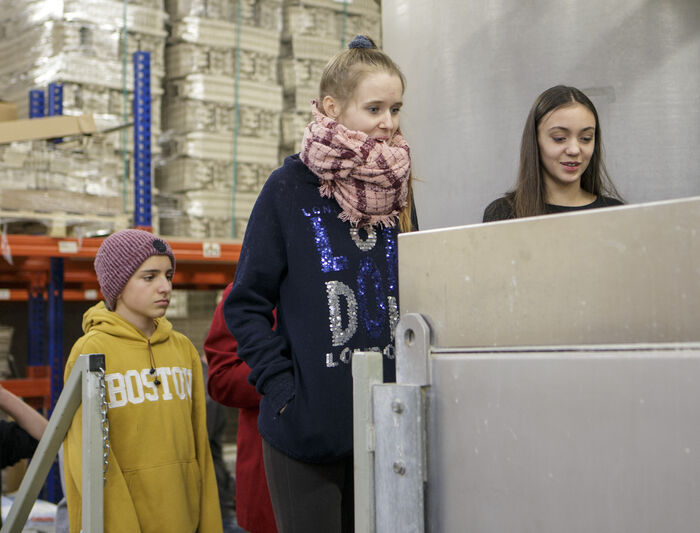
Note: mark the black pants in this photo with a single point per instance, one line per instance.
(309, 497)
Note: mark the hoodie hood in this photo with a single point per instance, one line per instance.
(99, 318)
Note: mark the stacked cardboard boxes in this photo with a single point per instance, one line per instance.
(231, 96)
(82, 46)
(221, 115)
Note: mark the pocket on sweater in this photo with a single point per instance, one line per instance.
(167, 497)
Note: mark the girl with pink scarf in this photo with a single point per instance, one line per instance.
(321, 248)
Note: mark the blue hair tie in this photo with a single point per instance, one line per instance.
(361, 41)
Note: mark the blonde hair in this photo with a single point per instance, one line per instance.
(341, 76)
(343, 73)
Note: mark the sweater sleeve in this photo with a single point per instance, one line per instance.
(15, 443)
(119, 509)
(228, 375)
(248, 309)
(209, 511)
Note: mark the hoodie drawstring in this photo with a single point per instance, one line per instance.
(153, 363)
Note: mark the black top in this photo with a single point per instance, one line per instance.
(502, 209)
(15, 443)
(336, 291)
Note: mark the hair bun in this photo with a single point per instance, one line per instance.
(361, 41)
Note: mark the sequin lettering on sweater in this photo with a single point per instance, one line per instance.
(392, 263)
(136, 386)
(373, 313)
(364, 244)
(345, 356)
(329, 263)
(366, 305)
(336, 290)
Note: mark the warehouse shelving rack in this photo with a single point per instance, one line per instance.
(46, 271)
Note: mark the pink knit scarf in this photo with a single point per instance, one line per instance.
(368, 178)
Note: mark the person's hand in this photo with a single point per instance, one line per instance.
(26, 416)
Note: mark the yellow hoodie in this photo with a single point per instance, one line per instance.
(160, 476)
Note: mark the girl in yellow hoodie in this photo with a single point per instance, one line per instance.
(160, 476)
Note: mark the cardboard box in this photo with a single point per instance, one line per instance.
(8, 111)
(61, 201)
(46, 128)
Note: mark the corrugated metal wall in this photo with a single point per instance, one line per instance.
(474, 67)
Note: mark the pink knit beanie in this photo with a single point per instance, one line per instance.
(120, 255)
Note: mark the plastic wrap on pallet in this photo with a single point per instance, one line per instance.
(219, 147)
(29, 55)
(59, 200)
(301, 71)
(222, 89)
(312, 47)
(257, 13)
(183, 116)
(72, 167)
(18, 15)
(183, 59)
(186, 174)
(31, 48)
(222, 34)
(328, 23)
(207, 214)
(72, 68)
(351, 7)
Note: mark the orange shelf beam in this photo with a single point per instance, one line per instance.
(69, 295)
(213, 251)
(208, 264)
(28, 387)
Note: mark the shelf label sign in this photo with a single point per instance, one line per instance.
(211, 249)
(68, 247)
(4, 294)
(91, 294)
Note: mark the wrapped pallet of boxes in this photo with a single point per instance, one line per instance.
(44, 186)
(81, 45)
(312, 32)
(221, 115)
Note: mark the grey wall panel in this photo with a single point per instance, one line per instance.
(474, 68)
(590, 440)
(624, 274)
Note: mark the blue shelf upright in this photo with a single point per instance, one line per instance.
(55, 107)
(36, 326)
(142, 140)
(55, 99)
(55, 322)
(37, 103)
(55, 353)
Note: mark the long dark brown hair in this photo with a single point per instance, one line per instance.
(341, 76)
(528, 198)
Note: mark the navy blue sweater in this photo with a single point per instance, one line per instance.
(336, 291)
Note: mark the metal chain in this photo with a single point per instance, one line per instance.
(105, 423)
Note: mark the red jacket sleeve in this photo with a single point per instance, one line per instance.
(228, 375)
